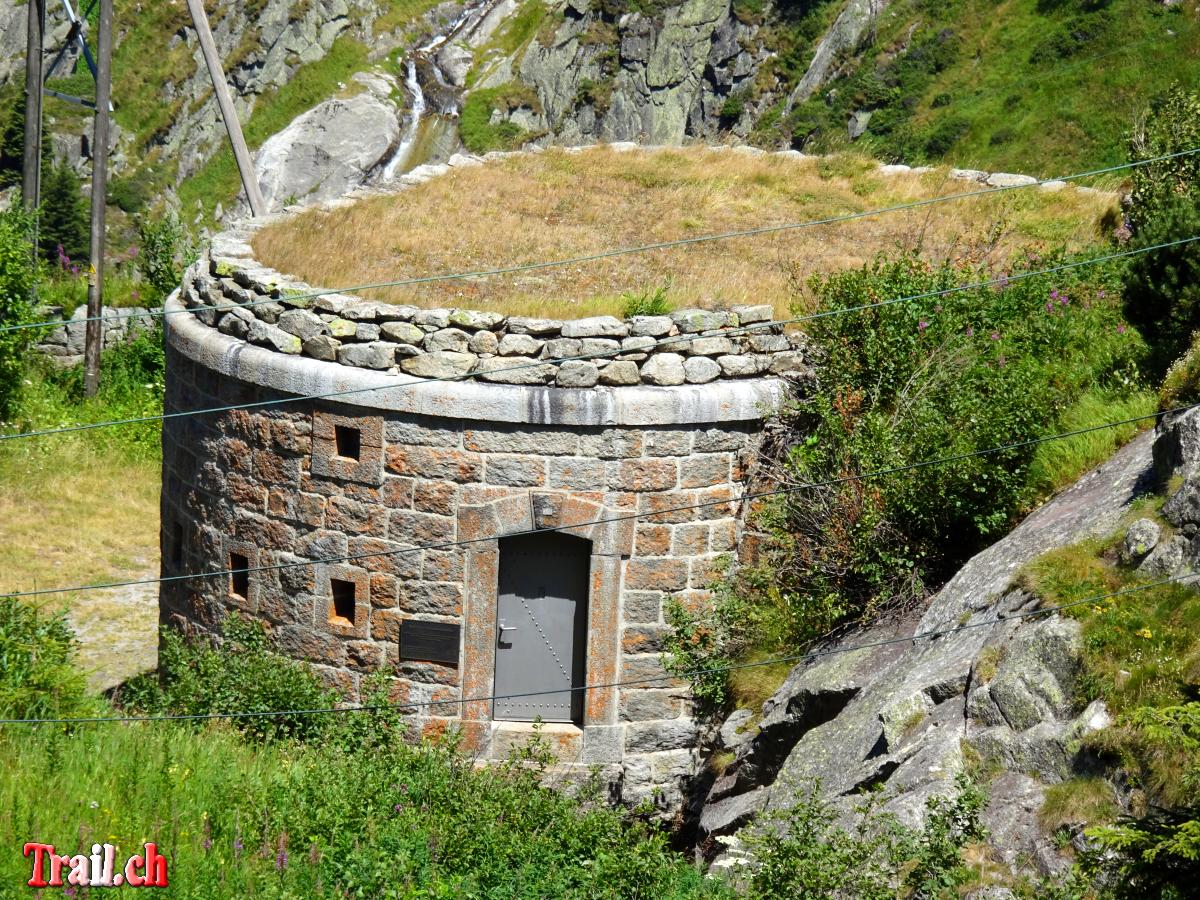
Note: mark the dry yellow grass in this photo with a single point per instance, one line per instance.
(557, 205)
(69, 515)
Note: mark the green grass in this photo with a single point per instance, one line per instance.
(1078, 801)
(1057, 464)
(1140, 649)
(475, 126)
(1019, 93)
(293, 820)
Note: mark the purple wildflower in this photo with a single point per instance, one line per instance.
(922, 325)
(281, 860)
(1120, 329)
(1054, 294)
(970, 332)
(1064, 300)
(1100, 294)
(995, 335)
(1049, 306)
(237, 844)
(398, 807)
(207, 844)
(68, 891)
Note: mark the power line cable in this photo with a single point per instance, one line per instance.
(683, 338)
(623, 251)
(633, 516)
(650, 679)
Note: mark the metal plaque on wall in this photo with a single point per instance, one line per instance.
(430, 641)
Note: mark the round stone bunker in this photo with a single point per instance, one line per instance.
(391, 524)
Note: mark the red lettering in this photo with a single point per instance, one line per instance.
(56, 866)
(156, 867)
(39, 851)
(132, 878)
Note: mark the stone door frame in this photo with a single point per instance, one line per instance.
(611, 535)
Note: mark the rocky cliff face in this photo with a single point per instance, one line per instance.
(653, 78)
(909, 713)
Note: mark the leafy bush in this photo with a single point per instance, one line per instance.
(16, 288)
(242, 674)
(935, 378)
(1170, 125)
(803, 853)
(165, 252)
(38, 678)
(1162, 287)
(130, 194)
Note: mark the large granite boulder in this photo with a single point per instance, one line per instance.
(328, 150)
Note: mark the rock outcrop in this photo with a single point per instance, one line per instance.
(906, 712)
(332, 148)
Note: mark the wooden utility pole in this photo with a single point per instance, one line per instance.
(31, 172)
(232, 126)
(94, 336)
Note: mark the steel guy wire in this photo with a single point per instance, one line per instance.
(623, 517)
(659, 342)
(1000, 618)
(623, 251)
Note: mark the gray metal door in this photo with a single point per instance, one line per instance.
(542, 635)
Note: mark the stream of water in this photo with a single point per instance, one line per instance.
(432, 131)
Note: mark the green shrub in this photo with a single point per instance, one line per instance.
(1162, 287)
(242, 674)
(732, 108)
(935, 378)
(131, 386)
(803, 853)
(165, 252)
(38, 678)
(1170, 125)
(944, 136)
(130, 194)
(597, 94)
(16, 288)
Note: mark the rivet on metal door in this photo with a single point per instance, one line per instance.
(541, 636)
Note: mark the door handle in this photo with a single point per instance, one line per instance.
(504, 628)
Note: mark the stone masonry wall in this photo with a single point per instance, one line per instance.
(267, 484)
(249, 302)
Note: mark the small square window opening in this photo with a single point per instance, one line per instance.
(239, 577)
(341, 611)
(347, 442)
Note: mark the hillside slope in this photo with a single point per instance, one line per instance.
(1039, 86)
